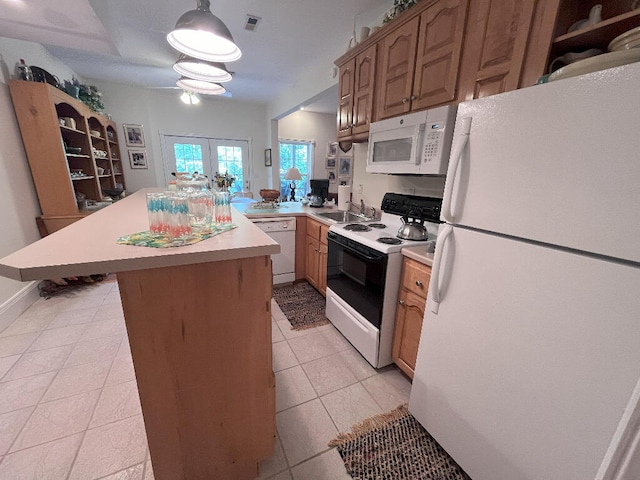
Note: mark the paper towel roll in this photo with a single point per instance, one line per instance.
(344, 197)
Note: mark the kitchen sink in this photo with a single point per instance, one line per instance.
(344, 217)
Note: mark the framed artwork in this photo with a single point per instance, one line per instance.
(331, 162)
(133, 135)
(332, 149)
(344, 166)
(267, 157)
(138, 159)
(332, 176)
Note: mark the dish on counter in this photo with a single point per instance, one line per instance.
(625, 41)
(594, 64)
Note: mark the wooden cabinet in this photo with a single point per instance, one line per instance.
(419, 60)
(412, 299)
(356, 87)
(58, 176)
(617, 18)
(316, 255)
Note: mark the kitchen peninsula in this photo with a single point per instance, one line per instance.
(199, 324)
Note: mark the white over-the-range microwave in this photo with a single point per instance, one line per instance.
(415, 144)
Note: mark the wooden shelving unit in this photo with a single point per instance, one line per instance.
(39, 108)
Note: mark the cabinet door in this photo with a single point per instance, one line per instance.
(397, 56)
(495, 47)
(407, 331)
(312, 259)
(322, 269)
(365, 68)
(345, 108)
(438, 53)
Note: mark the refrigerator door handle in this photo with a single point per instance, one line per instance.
(461, 140)
(434, 286)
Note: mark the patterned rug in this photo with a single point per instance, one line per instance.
(302, 304)
(394, 446)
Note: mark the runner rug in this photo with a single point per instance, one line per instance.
(302, 304)
(395, 446)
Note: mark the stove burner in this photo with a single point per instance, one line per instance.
(377, 225)
(357, 227)
(390, 240)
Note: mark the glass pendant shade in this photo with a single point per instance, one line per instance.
(202, 69)
(200, 34)
(201, 86)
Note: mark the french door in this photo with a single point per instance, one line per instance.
(208, 156)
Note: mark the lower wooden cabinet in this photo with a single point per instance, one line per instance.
(412, 299)
(316, 255)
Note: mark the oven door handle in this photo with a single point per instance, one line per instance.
(360, 254)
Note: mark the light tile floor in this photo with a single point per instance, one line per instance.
(69, 406)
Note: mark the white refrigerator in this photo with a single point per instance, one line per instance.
(530, 346)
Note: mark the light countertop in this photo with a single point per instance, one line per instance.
(286, 209)
(88, 246)
(419, 254)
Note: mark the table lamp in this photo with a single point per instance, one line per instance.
(293, 174)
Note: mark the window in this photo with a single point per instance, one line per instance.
(188, 157)
(230, 161)
(295, 154)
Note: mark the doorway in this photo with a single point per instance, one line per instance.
(208, 156)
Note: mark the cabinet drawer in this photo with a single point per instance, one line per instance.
(415, 277)
(313, 229)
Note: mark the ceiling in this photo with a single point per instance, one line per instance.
(124, 41)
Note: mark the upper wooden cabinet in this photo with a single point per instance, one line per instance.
(357, 78)
(419, 61)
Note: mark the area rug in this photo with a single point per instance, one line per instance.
(395, 446)
(302, 304)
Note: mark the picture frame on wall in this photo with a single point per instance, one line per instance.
(134, 135)
(331, 163)
(267, 157)
(138, 159)
(332, 176)
(344, 166)
(332, 149)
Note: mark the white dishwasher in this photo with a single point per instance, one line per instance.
(283, 231)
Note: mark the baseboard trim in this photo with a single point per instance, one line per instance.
(12, 308)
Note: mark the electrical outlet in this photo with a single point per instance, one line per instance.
(360, 189)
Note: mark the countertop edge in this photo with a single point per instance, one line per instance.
(419, 254)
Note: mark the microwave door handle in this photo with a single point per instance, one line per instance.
(461, 140)
(419, 145)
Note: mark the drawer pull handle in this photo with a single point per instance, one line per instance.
(419, 283)
(405, 100)
(401, 302)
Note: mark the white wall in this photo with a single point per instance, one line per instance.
(18, 201)
(310, 126)
(160, 111)
(374, 186)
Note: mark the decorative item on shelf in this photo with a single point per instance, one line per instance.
(224, 182)
(292, 175)
(23, 72)
(635, 4)
(571, 57)
(595, 16)
(114, 192)
(87, 94)
(72, 88)
(399, 6)
(94, 133)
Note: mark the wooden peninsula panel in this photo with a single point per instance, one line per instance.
(199, 324)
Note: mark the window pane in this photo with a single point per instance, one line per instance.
(295, 154)
(188, 157)
(230, 161)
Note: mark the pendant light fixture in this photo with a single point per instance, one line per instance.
(200, 34)
(200, 86)
(202, 69)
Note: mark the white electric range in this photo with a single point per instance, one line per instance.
(364, 263)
